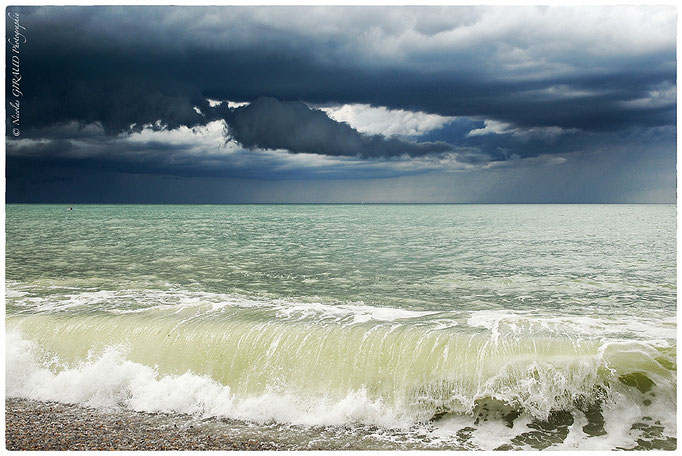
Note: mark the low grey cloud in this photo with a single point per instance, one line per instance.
(211, 150)
(291, 125)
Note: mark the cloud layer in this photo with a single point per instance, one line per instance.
(342, 92)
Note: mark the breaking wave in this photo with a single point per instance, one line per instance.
(317, 364)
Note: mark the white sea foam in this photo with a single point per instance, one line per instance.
(177, 300)
(657, 331)
(597, 325)
(109, 380)
(14, 293)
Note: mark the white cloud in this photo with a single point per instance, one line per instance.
(230, 104)
(237, 104)
(528, 41)
(504, 128)
(206, 139)
(492, 127)
(387, 122)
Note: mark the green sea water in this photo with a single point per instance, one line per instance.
(381, 326)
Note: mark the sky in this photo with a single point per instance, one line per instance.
(342, 104)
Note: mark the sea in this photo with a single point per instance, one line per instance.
(396, 327)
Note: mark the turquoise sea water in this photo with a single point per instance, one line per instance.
(381, 326)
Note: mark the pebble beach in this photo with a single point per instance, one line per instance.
(49, 426)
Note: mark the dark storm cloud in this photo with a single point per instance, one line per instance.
(534, 81)
(136, 65)
(268, 123)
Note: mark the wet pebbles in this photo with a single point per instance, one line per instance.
(34, 425)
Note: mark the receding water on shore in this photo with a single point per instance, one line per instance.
(383, 326)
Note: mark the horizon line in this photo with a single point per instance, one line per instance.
(357, 203)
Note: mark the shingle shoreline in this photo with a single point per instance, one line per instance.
(35, 425)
